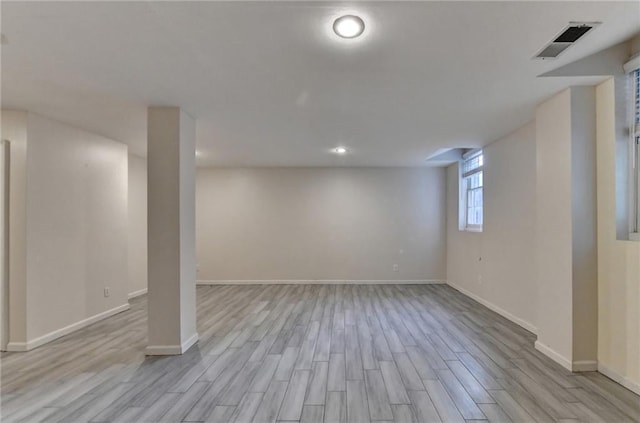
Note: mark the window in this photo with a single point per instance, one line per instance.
(471, 183)
(635, 156)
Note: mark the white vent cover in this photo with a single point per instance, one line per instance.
(565, 39)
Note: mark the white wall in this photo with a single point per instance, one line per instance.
(137, 231)
(4, 250)
(553, 236)
(171, 177)
(14, 129)
(497, 265)
(69, 214)
(584, 248)
(618, 261)
(76, 225)
(566, 228)
(321, 224)
(535, 261)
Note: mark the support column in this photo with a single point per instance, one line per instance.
(567, 272)
(171, 231)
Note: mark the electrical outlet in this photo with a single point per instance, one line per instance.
(395, 267)
(106, 291)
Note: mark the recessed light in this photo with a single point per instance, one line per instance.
(348, 26)
(340, 150)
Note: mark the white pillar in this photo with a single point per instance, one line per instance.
(171, 231)
(566, 241)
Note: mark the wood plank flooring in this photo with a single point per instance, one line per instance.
(311, 353)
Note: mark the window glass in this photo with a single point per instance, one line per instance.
(472, 193)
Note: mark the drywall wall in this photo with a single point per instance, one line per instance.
(171, 177)
(584, 248)
(566, 265)
(497, 266)
(75, 220)
(618, 261)
(137, 230)
(4, 253)
(553, 236)
(349, 224)
(14, 130)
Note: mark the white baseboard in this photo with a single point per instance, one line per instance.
(17, 346)
(617, 377)
(190, 342)
(518, 321)
(137, 293)
(172, 349)
(555, 356)
(51, 336)
(320, 282)
(572, 366)
(585, 366)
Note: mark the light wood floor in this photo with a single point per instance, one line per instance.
(311, 353)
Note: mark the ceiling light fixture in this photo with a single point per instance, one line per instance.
(340, 150)
(348, 26)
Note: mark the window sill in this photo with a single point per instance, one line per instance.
(474, 230)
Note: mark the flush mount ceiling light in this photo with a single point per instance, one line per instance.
(340, 150)
(348, 26)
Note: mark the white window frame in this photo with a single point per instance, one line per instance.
(464, 224)
(634, 154)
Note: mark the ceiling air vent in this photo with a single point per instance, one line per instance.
(567, 37)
